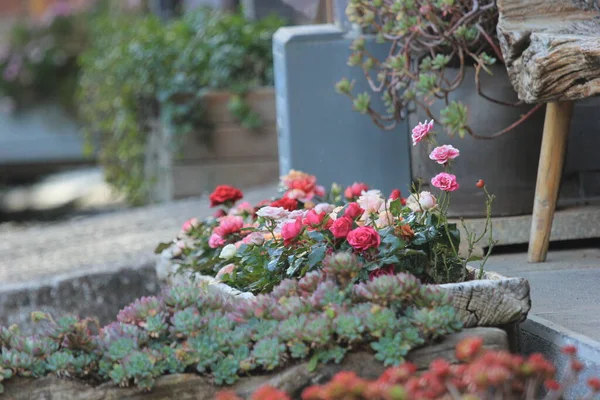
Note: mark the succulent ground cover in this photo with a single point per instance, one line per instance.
(191, 328)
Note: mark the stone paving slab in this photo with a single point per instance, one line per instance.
(564, 290)
(98, 244)
(569, 224)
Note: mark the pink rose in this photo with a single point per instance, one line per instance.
(226, 270)
(229, 225)
(319, 190)
(215, 241)
(420, 131)
(355, 190)
(443, 154)
(190, 224)
(290, 231)
(341, 227)
(445, 181)
(255, 238)
(364, 238)
(313, 219)
(242, 209)
(353, 211)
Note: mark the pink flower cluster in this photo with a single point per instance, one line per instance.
(301, 186)
(441, 154)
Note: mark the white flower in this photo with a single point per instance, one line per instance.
(385, 219)
(324, 207)
(334, 214)
(412, 202)
(228, 252)
(275, 213)
(371, 201)
(296, 214)
(424, 202)
(427, 201)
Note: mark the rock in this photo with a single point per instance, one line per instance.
(494, 300)
(292, 379)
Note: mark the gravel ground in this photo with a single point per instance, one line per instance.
(51, 251)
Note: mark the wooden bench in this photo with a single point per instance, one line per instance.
(551, 49)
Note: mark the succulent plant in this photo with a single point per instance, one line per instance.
(190, 328)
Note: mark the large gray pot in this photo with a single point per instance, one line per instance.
(508, 164)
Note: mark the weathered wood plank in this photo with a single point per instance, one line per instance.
(551, 48)
(292, 379)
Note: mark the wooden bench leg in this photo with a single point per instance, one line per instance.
(554, 143)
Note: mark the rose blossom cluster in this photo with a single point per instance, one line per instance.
(288, 220)
(442, 155)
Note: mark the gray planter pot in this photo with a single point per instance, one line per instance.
(508, 164)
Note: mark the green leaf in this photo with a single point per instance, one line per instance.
(162, 247)
(390, 260)
(396, 207)
(316, 255)
(313, 363)
(316, 236)
(474, 258)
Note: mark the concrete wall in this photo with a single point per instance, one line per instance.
(318, 130)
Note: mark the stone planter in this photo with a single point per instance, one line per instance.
(293, 379)
(508, 163)
(494, 301)
(232, 154)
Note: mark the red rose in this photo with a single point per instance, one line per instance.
(225, 194)
(355, 190)
(290, 231)
(364, 238)
(385, 270)
(313, 219)
(287, 203)
(341, 227)
(396, 194)
(353, 211)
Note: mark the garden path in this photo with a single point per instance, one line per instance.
(102, 243)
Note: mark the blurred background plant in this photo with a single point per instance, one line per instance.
(38, 60)
(140, 69)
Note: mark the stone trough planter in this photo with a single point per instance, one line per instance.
(494, 301)
(482, 304)
(293, 379)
